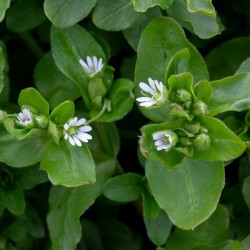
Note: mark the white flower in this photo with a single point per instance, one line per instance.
(165, 140)
(75, 132)
(93, 65)
(24, 118)
(154, 93)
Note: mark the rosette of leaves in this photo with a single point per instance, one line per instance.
(41, 140)
(109, 100)
(184, 143)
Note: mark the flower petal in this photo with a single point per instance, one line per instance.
(77, 141)
(95, 62)
(158, 135)
(151, 83)
(72, 142)
(148, 104)
(146, 88)
(144, 99)
(90, 62)
(84, 136)
(80, 122)
(73, 121)
(85, 66)
(85, 129)
(168, 146)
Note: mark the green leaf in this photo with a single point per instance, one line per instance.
(2, 69)
(107, 141)
(196, 5)
(17, 230)
(25, 15)
(246, 191)
(68, 46)
(64, 14)
(68, 165)
(237, 97)
(224, 144)
(133, 33)
(52, 83)
(158, 229)
(198, 17)
(13, 198)
(31, 97)
(231, 54)
(68, 204)
(244, 67)
(114, 15)
(123, 188)
(162, 33)
(35, 226)
(30, 177)
(211, 232)
(4, 5)
(228, 245)
(189, 193)
(246, 243)
(150, 207)
(143, 5)
(62, 113)
(122, 99)
(178, 64)
(27, 151)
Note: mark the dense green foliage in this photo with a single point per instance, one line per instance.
(124, 124)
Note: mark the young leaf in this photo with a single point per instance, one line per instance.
(162, 33)
(143, 5)
(158, 228)
(62, 113)
(123, 188)
(68, 204)
(114, 15)
(29, 12)
(52, 83)
(224, 144)
(199, 18)
(65, 14)
(237, 97)
(4, 5)
(185, 192)
(13, 198)
(31, 97)
(178, 64)
(68, 165)
(122, 99)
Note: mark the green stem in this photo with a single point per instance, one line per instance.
(32, 44)
(104, 108)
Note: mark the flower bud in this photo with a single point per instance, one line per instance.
(181, 96)
(202, 142)
(41, 121)
(193, 128)
(185, 142)
(199, 108)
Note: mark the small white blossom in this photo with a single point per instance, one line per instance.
(92, 66)
(164, 140)
(24, 118)
(154, 93)
(75, 131)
